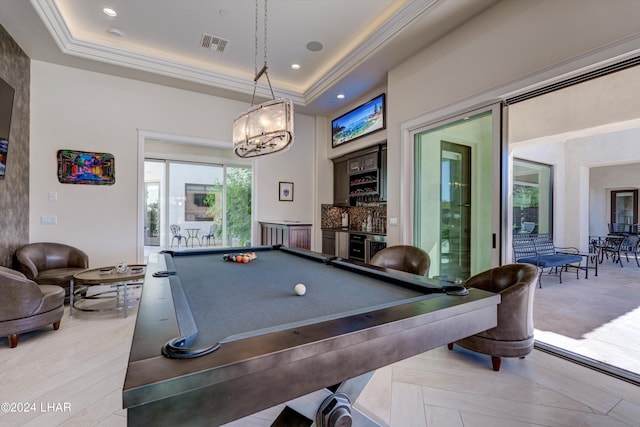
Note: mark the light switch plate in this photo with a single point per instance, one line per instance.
(48, 220)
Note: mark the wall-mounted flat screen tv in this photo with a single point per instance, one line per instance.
(6, 107)
(4, 150)
(363, 120)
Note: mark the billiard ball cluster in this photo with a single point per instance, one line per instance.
(240, 257)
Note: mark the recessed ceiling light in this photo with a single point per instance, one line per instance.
(340, 96)
(295, 66)
(109, 12)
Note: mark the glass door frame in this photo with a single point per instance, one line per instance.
(142, 155)
(148, 235)
(499, 159)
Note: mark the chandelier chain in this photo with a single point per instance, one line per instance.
(265, 32)
(255, 56)
(268, 127)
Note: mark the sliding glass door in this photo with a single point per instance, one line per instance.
(152, 216)
(457, 194)
(206, 204)
(238, 206)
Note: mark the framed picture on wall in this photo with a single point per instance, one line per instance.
(285, 191)
(86, 167)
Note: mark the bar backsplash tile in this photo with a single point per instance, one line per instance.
(331, 217)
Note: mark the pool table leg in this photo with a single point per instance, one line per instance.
(309, 404)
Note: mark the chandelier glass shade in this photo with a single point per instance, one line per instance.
(268, 127)
(264, 129)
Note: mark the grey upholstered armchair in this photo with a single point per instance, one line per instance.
(26, 306)
(513, 337)
(51, 263)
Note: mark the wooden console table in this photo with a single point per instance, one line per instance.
(292, 234)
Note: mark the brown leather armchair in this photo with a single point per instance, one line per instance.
(409, 259)
(513, 337)
(51, 263)
(25, 306)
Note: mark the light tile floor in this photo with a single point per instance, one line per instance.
(459, 388)
(598, 318)
(443, 388)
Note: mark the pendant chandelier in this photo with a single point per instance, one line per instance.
(268, 127)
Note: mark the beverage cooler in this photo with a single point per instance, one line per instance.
(362, 247)
(373, 245)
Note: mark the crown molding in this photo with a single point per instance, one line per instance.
(54, 22)
(400, 20)
(67, 44)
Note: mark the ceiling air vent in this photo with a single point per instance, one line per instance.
(212, 42)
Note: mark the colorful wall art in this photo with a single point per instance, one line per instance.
(84, 167)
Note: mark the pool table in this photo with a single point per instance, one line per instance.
(216, 340)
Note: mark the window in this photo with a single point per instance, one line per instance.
(532, 197)
(199, 199)
(624, 207)
(202, 202)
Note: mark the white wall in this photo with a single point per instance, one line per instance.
(296, 165)
(497, 51)
(75, 109)
(324, 178)
(592, 104)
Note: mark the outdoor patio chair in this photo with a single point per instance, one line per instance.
(611, 246)
(175, 231)
(211, 234)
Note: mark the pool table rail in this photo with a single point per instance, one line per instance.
(408, 280)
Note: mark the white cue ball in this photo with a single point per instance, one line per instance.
(299, 289)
